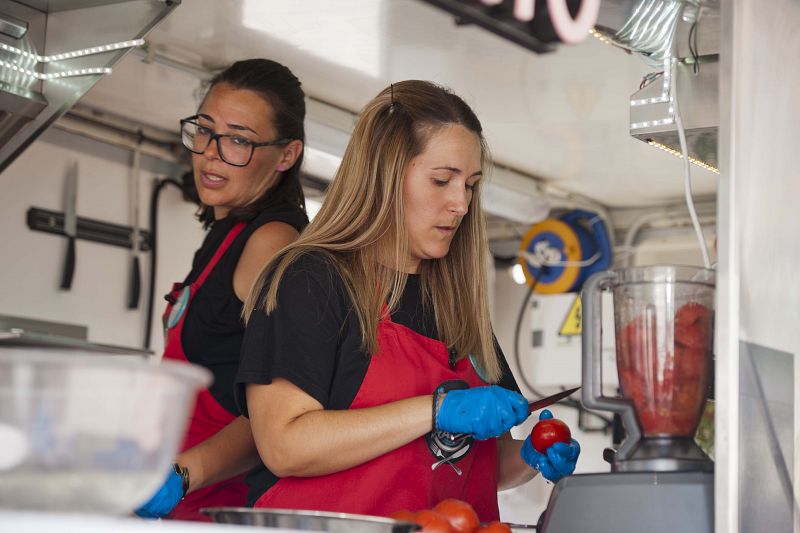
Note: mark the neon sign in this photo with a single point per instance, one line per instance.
(520, 20)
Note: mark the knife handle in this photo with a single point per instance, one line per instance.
(135, 284)
(69, 265)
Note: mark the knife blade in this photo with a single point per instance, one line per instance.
(70, 224)
(135, 282)
(550, 400)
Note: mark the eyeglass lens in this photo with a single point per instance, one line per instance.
(233, 149)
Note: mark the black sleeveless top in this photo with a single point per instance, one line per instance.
(213, 329)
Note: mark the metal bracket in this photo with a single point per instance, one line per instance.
(88, 229)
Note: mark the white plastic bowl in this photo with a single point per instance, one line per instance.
(89, 433)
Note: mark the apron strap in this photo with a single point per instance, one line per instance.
(226, 243)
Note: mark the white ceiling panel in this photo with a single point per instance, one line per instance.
(562, 117)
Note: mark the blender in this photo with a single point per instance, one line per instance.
(660, 480)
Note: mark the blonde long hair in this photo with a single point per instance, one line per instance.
(360, 226)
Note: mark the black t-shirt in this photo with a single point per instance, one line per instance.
(313, 340)
(213, 328)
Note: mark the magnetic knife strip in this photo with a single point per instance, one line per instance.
(88, 229)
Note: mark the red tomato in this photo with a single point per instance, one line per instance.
(403, 516)
(432, 522)
(693, 326)
(547, 432)
(494, 527)
(461, 515)
(691, 364)
(691, 313)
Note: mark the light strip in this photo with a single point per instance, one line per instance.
(678, 154)
(55, 75)
(652, 123)
(75, 53)
(644, 101)
(93, 50)
(600, 37)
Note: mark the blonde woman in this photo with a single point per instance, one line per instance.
(368, 368)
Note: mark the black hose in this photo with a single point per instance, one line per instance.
(157, 187)
(574, 404)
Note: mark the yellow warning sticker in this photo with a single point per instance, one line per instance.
(572, 323)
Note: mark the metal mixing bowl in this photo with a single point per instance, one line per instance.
(89, 433)
(308, 520)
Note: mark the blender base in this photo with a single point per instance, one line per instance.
(631, 502)
(661, 454)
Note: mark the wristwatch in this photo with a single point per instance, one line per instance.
(184, 473)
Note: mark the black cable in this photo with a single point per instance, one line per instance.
(517, 330)
(693, 48)
(159, 184)
(574, 404)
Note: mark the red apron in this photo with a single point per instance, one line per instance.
(209, 416)
(407, 364)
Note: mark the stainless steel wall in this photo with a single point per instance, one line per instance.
(759, 249)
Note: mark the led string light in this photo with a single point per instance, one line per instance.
(73, 54)
(600, 37)
(54, 75)
(645, 101)
(678, 154)
(93, 50)
(665, 97)
(88, 71)
(651, 123)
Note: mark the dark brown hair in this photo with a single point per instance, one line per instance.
(283, 92)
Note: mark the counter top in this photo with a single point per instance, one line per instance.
(31, 522)
(19, 337)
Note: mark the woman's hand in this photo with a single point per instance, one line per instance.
(165, 499)
(558, 461)
(483, 412)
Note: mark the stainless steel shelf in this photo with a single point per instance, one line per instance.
(20, 338)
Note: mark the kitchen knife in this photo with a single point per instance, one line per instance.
(550, 400)
(70, 224)
(135, 283)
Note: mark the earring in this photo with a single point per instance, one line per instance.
(281, 167)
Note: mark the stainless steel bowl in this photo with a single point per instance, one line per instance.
(308, 520)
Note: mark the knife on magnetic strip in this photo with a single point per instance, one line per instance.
(550, 400)
(70, 224)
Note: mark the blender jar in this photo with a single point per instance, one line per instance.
(664, 333)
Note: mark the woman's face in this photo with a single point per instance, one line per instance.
(245, 113)
(437, 191)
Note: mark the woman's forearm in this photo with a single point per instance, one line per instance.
(230, 452)
(512, 470)
(319, 441)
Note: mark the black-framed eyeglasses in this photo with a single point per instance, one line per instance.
(233, 149)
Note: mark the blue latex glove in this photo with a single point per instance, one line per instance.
(560, 459)
(165, 500)
(483, 412)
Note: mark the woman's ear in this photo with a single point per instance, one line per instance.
(290, 154)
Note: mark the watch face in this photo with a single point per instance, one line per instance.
(179, 307)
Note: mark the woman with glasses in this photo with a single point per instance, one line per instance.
(369, 371)
(247, 145)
